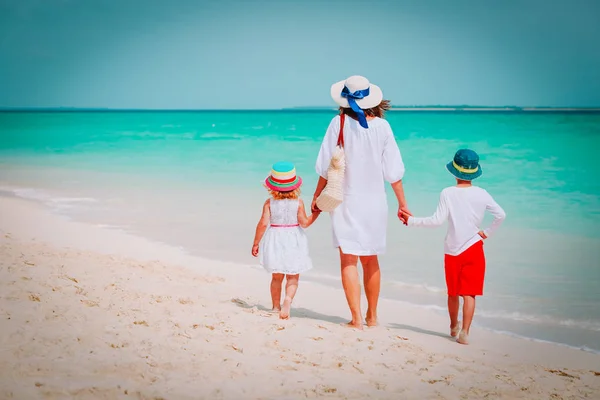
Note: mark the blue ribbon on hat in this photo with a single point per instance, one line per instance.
(352, 97)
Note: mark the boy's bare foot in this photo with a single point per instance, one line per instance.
(285, 310)
(463, 338)
(455, 330)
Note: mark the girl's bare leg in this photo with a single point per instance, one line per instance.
(351, 285)
(276, 282)
(291, 286)
(372, 282)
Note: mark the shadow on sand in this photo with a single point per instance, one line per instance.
(296, 312)
(310, 314)
(420, 330)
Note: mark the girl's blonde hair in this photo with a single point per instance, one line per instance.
(294, 194)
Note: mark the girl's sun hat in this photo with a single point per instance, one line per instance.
(357, 93)
(465, 165)
(283, 177)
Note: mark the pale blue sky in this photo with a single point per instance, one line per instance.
(274, 54)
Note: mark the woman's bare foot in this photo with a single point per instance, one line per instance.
(455, 330)
(275, 310)
(354, 325)
(371, 319)
(286, 309)
(463, 338)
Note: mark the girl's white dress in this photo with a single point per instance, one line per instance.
(372, 157)
(284, 247)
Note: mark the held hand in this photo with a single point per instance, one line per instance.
(313, 206)
(483, 235)
(404, 214)
(255, 250)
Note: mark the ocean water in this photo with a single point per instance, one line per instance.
(194, 180)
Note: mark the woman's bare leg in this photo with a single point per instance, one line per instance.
(276, 282)
(372, 282)
(291, 286)
(351, 285)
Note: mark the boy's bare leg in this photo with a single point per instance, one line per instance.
(291, 286)
(351, 285)
(372, 282)
(468, 311)
(453, 306)
(276, 282)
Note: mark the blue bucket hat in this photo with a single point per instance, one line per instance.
(465, 165)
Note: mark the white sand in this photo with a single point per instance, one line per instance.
(91, 313)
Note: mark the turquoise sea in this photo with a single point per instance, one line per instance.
(194, 180)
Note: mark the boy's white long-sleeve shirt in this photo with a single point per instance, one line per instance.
(464, 209)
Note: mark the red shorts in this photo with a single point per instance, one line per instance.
(466, 271)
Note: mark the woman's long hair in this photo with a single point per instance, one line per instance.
(377, 111)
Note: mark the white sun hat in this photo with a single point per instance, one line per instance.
(361, 87)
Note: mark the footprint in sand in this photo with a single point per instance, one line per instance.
(90, 303)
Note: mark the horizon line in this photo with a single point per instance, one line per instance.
(432, 107)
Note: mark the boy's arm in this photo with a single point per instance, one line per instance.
(303, 220)
(498, 214)
(437, 219)
(261, 227)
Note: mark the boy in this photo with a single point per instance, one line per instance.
(463, 206)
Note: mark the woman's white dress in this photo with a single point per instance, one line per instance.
(284, 249)
(372, 157)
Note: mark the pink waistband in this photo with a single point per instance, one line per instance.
(284, 226)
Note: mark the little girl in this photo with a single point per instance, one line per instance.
(284, 248)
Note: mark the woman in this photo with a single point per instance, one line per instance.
(372, 157)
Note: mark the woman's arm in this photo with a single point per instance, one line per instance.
(320, 186)
(303, 220)
(261, 227)
(393, 171)
(324, 158)
(399, 192)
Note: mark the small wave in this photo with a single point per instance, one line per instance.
(55, 203)
(215, 135)
(420, 286)
(27, 193)
(541, 319)
(74, 200)
(512, 334)
(113, 227)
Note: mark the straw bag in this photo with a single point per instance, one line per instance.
(333, 193)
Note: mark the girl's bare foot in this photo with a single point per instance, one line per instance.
(463, 338)
(455, 330)
(285, 310)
